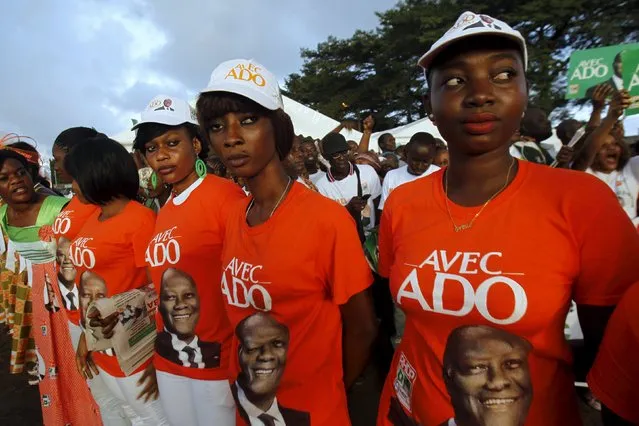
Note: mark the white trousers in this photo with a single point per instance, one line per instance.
(119, 405)
(192, 402)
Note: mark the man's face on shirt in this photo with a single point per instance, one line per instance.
(179, 304)
(92, 287)
(262, 353)
(489, 381)
(66, 269)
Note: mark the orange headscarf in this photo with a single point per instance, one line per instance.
(9, 138)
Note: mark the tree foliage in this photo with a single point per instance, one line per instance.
(375, 71)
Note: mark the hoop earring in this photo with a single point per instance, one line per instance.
(200, 167)
(154, 180)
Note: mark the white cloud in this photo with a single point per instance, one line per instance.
(97, 63)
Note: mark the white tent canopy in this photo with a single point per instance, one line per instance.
(306, 121)
(403, 133)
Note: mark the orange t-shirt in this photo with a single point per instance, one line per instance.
(283, 282)
(486, 307)
(615, 374)
(67, 225)
(184, 257)
(114, 251)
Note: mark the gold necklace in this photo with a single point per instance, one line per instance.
(288, 185)
(465, 226)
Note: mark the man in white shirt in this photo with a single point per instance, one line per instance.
(420, 152)
(535, 127)
(310, 154)
(343, 180)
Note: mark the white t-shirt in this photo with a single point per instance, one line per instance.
(625, 185)
(344, 190)
(398, 177)
(316, 176)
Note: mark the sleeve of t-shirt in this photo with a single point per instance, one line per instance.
(633, 164)
(230, 195)
(348, 270)
(142, 235)
(375, 185)
(608, 246)
(614, 375)
(514, 152)
(385, 193)
(385, 242)
(321, 187)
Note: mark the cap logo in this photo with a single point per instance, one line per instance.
(248, 72)
(161, 105)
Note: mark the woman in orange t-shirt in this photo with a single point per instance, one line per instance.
(193, 347)
(288, 298)
(485, 256)
(67, 225)
(108, 253)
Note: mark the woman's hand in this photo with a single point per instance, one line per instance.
(620, 101)
(106, 324)
(150, 392)
(83, 361)
(600, 94)
(369, 123)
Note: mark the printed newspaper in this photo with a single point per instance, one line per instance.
(134, 335)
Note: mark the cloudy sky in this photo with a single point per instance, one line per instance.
(98, 62)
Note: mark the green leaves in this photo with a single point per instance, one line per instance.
(376, 71)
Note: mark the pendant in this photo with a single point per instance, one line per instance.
(463, 227)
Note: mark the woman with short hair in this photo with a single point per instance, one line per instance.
(193, 348)
(111, 245)
(288, 298)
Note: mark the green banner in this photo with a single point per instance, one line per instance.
(589, 68)
(631, 79)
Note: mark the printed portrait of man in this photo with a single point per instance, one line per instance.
(66, 275)
(92, 287)
(262, 353)
(180, 310)
(487, 377)
(615, 81)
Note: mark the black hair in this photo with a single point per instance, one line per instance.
(149, 131)
(104, 170)
(535, 124)
(618, 57)
(567, 129)
(8, 154)
(477, 42)
(72, 136)
(213, 105)
(383, 138)
(421, 139)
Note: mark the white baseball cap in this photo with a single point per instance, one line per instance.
(471, 24)
(167, 110)
(247, 78)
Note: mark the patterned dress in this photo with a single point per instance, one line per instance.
(65, 396)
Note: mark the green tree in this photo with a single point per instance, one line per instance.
(376, 71)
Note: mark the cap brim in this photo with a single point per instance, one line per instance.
(246, 91)
(427, 59)
(162, 119)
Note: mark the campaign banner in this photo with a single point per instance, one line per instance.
(631, 79)
(591, 67)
